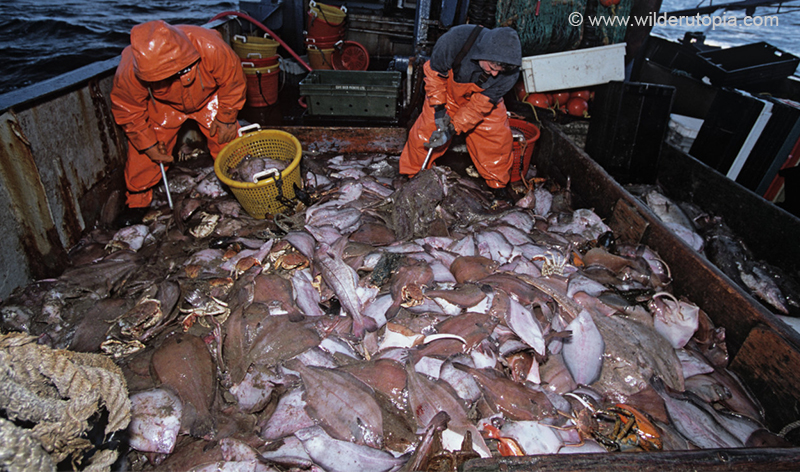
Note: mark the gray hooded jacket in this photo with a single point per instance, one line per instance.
(498, 45)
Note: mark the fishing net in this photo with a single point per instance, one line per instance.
(610, 31)
(544, 26)
(48, 397)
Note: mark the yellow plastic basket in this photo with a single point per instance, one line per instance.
(248, 46)
(330, 14)
(262, 198)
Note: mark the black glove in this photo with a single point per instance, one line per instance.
(440, 137)
(503, 195)
(440, 117)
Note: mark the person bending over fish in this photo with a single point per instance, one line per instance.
(167, 75)
(470, 70)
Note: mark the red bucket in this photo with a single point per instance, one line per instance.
(319, 28)
(525, 136)
(262, 85)
(350, 55)
(255, 60)
(323, 42)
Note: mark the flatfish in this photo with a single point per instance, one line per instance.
(248, 169)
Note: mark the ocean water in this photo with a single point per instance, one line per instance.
(778, 28)
(40, 39)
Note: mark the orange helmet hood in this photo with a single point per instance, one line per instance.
(160, 50)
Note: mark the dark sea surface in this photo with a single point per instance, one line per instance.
(40, 39)
(785, 36)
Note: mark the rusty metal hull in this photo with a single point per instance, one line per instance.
(56, 149)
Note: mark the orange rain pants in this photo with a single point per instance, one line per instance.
(489, 142)
(142, 174)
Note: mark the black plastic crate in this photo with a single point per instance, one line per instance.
(679, 56)
(725, 129)
(748, 64)
(628, 126)
(693, 97)
(772, 148)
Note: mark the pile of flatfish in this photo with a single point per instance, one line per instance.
(711, 236)
(389, 324)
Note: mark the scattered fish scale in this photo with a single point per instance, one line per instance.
(421, 277)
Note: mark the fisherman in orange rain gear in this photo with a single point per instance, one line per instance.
(470, 70)
(167, 75)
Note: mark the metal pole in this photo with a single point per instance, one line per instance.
(427, 158)
(166, 185)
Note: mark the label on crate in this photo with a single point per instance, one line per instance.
(350, 87)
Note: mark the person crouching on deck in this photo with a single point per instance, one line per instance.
(167, 75)
(470, 70)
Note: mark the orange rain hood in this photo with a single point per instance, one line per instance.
(160, 51)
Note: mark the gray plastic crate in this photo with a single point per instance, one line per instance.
(351, 93)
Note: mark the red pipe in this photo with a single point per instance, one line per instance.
(267, 30)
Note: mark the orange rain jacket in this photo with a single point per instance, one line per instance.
(150, 102)
(477, 110)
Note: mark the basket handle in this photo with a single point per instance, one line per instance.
(248, 64)
(274, 172)
(245, 129)
(256, 54)
(240, 38)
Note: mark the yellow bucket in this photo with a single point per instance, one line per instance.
(319, 58)
(330, 14)
(262, 198)
(245, 46)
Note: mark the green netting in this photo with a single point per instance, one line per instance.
(607, 33)
(549, 31)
